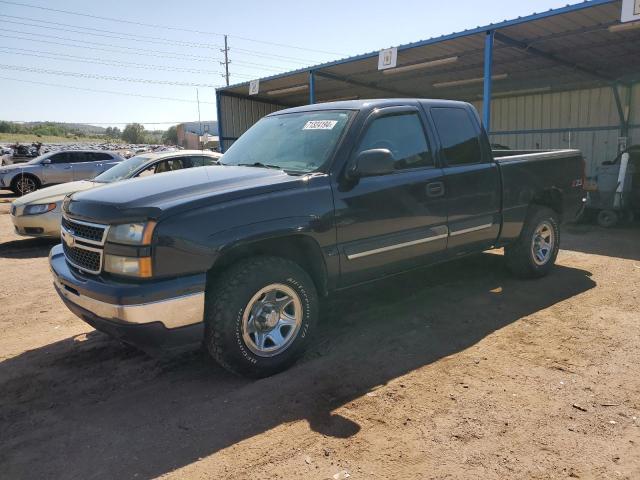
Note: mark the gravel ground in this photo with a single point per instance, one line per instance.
(460, 371)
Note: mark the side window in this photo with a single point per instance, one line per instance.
(458, 136)
(404, 136)
(202, 161)
(99, 156)
(59, 158)
(162, 167)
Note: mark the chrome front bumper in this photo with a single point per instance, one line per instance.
(174, 303)
(172, 313)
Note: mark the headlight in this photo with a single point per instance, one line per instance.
(132, 233)
(39, 209)
(129, 266)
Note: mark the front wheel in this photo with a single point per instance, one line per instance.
(534, 253)
(24, 184)
(259, 316)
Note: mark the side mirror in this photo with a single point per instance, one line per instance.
(46, 161)
(371, 163)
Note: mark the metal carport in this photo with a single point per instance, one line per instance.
(563, 78)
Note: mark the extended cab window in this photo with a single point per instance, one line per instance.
(458, 135)
(404, 136)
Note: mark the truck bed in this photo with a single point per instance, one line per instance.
(526, 173)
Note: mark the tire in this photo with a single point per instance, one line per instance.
(23, 184)
(527, 257)
(259, 316)
(607, 218)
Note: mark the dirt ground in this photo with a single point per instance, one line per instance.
(460, 371)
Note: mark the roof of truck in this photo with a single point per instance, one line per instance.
(370, 103)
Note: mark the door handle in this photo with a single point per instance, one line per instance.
(435, 189)
(67, 167)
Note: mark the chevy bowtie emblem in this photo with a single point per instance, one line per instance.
(70, 241)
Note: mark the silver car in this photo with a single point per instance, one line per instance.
(38, 214)
(56, 167)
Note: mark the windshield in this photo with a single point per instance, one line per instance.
(294, 142)
(122, 170)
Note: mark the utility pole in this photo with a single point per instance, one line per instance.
(226, 60)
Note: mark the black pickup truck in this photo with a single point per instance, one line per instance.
(308, 201)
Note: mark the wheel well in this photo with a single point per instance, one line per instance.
(14, 180)
(298, 248)
(551, 198)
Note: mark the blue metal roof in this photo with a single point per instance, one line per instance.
(433, 40)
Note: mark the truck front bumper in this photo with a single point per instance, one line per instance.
(166, 315)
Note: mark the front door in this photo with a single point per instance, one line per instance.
(59, 170)
(472, 181)
(393, 222)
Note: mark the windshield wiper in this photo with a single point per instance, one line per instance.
(259, 164)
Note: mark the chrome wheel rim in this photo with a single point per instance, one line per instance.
(543, 243)
(26, 185)
(271, 320)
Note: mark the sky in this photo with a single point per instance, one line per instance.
(53, 64)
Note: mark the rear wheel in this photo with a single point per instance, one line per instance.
(534, 253)
(24, 184)
(607, 218)
(259, 316)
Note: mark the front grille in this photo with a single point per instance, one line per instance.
(85, 231)
(80, 257)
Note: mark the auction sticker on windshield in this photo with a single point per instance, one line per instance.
(320, 125)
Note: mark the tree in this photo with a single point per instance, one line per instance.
(170, 137)
(133, 133)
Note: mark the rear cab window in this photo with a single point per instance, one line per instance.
(459, 136)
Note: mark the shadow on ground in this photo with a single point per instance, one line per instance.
(622, 241)
(91, 407)
(27, 248)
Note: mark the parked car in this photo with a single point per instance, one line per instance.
(308, 201)
(38, 213)
(56, 167)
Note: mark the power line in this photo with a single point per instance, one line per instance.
(104, 77)
(195, 59)
(105, 123)
(109, 44)
(135, 35)
(126, 94)
(137, 50)
(119, 36)
(116, 63)
(164, 27)
(244, 51)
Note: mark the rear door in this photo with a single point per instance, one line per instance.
(471, 178)
(393, 222)
(85, 165)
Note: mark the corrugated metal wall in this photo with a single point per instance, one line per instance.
(584, 119)
(238, 114)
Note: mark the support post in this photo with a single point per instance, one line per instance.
(219, 115)
(312, 87)
(486, 94)
(621, 113)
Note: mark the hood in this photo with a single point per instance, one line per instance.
(159, 195)
(55, 193)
